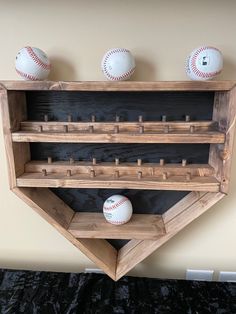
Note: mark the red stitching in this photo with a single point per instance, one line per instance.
(194, 67)
(27, 76)
(117, 222)
(122, 201)
(121, 77)
(37, 60)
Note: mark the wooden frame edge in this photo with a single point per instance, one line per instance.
(50, 207)
(137, 251)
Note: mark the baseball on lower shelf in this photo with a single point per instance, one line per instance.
(118, 64)
(204, 63)
(32, 64)
(117, 209)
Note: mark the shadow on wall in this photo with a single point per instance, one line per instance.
(229, 69)
(62, 70)
(145, 70)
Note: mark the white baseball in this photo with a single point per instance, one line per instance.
(32, 64)
(204, 63)
(118, 64)
(117, 209)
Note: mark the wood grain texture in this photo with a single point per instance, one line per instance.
(58, 214)
(94, 225)
(113, 86)
(220, 156)
(137, 250)
(73, 137)
(178, 183)
(128, 106)
(124, 169)
(123, 127)
(143, 201)
(185, 202)
(13, 108)
(149, 153)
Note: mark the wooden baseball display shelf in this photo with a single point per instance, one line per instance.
(167, 146)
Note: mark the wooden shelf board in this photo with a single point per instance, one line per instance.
(78, 137)
(178, 183)
(94, 225)
(124, 126)
(119, 86)
(124, 168)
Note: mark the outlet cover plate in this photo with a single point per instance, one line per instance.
(201, 275)
(227, 276)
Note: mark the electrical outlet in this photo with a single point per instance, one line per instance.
(202, 275)
(94, 270)
(227, 276)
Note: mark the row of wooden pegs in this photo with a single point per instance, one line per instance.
(116, 127)
(117, 118)
(117, 161)
(116, 172)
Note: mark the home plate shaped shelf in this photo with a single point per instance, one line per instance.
(167, 146)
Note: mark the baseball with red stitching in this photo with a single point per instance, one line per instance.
(204, 63)
(118, 64)
(117, 209)
(32, 64)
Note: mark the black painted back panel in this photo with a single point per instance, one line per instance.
(128, 105)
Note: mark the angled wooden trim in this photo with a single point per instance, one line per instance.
(120, 86)
(59, 215)
(182, 205)
(137, 251)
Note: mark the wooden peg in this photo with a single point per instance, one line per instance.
(140, 118)
(224, 154)
(162, 162)
(163, 118)
(140, 175)
(44, 172)
(187, 118)
(184, 162)
(117, 174)
(69, 118)
(65, 128)
(94, 161)
(91, 129)
(141, 129)
(40, 128)
(116, 129)
(117, 119)
(117, 161)
(166, 129)
(49, 160)
(45, 118)
(139, 161)
(164, 175)
(71, 160)
(192, 128)
(93, 118)
(68, 173)
(188, 176)
(92, 173)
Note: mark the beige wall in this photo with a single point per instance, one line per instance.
(75, 34)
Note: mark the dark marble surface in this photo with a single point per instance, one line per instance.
(68, 293)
